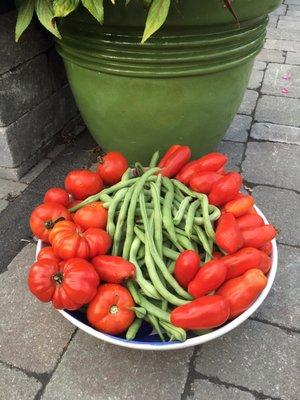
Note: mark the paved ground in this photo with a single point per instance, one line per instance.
(44, 357)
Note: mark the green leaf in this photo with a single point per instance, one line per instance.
(95, 7)
(62, 8)
(25, 14)
(156, 17)
(45, 14)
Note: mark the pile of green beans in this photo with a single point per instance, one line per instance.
(151, 220)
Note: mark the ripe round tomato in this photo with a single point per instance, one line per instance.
(68, 284)
(44, 217)
(69, 241)
(93, 215)
(82, 183)
(111, 167)
(109, 311)
(47, 252)
(57, 195)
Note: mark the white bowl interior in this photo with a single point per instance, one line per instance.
(192, 341)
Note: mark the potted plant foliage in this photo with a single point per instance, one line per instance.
(146, 73)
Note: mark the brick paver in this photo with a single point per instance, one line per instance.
(43, 357)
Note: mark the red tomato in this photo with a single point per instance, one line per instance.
(228, 234)
(82, 183)
(259, 236)
(211, 162)
(247, 258)
(239, 206)
(216, 255)
(203, 313)
(175, 158)
(111, 167)
(267, 248)
(225, 189)
(249, 221)
(208, 278)
(57, 195)
(68, 284)
(113, 269)
(69, 241)
(74, 203)
(44, 217)
(93, 215)
(110, 310)
(47, 252)
(241, 292)
(202, 182)
(186, 267)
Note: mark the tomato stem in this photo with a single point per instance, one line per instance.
(58, 278)
(114, 309)
(50, 224)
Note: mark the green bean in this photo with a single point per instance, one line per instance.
(127, 175)
(158, 284)
(133, 329)
(134, 293)
(169, 253)
(190, 218)
(112, 209)
(158, 260)
(140, 312)
(203, 239)
(207, 222)
(167, 209)
(120, 222)
(158, 238)
(181, 210)
(154, 322)
(171, 267)
(185, 242)
(91, 199)
(213, 216)
(183, 188)
(173, 331)
(131, 210)
(139, 168)
(154, 159)
(181, 232)
(149, 307)
(208, 256)
(178, 194)
(120, 185)
(145, 285)
(177, 244)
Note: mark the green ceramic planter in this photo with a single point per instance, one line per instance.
(184, 85)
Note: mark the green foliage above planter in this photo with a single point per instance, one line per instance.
(48, 11)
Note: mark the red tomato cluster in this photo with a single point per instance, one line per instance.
(228, 284)
(71, 270)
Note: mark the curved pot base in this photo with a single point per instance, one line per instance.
(138, 116)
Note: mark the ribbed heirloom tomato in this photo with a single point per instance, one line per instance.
(44, 217)
(47, 252)
(110, 310)
(68, 284)
(93, 215)
(111, 167)
(69, 241)
(82, 183)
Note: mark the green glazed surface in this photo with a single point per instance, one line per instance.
(184, 85)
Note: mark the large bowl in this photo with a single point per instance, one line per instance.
(146, 340)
